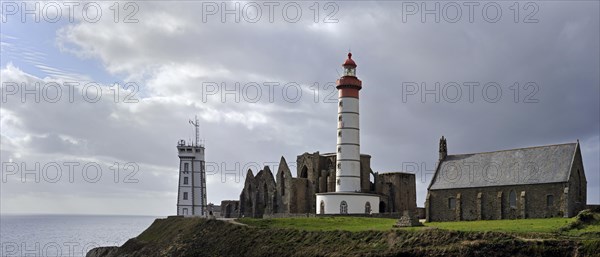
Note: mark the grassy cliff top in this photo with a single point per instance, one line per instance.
(353, 236)
(523, 226)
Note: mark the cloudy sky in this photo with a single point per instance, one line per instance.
(93, 105)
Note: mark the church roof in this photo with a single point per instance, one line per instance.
(523, 166)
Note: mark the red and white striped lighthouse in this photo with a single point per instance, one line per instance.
(347, 198)
(348, 130)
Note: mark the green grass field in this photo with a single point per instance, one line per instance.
(550, 225)
(521, 225)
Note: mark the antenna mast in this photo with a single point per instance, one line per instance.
(196, 125)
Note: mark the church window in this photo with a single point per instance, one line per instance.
(339, 165)
(340, 118)
(549, 200)
(185, 195)
(186, 167)
(338, 182)
(339, 149)
(341, 104)
(512, 199)
(343, 207)
(282, 184)
(451, 203)
(185, 180)
(368, 208)
(265, 195)
(340, 133)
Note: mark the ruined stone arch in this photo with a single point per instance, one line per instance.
(304, 172)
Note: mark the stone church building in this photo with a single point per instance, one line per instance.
(533, 182)
(281, 194)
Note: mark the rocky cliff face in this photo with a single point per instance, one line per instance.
(102, 251)
(182, 237)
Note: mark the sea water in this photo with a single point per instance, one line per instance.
(65, 235)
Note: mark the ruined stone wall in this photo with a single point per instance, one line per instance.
(327, 177)
(259, 195)
(247, 196)
(420, 212)
(230, 209)
(266, 200)
(284, 187)
(302, 199)
(365, 173)
(398, 191)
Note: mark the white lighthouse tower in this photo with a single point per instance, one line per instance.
(348, 198)
(191, 196)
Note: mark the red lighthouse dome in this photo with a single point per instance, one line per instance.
(349, 61)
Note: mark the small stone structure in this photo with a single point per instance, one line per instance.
(408, 219)
(230, 208)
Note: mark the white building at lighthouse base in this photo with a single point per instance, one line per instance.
(347, 203)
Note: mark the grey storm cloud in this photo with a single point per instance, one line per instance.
(173, 55)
